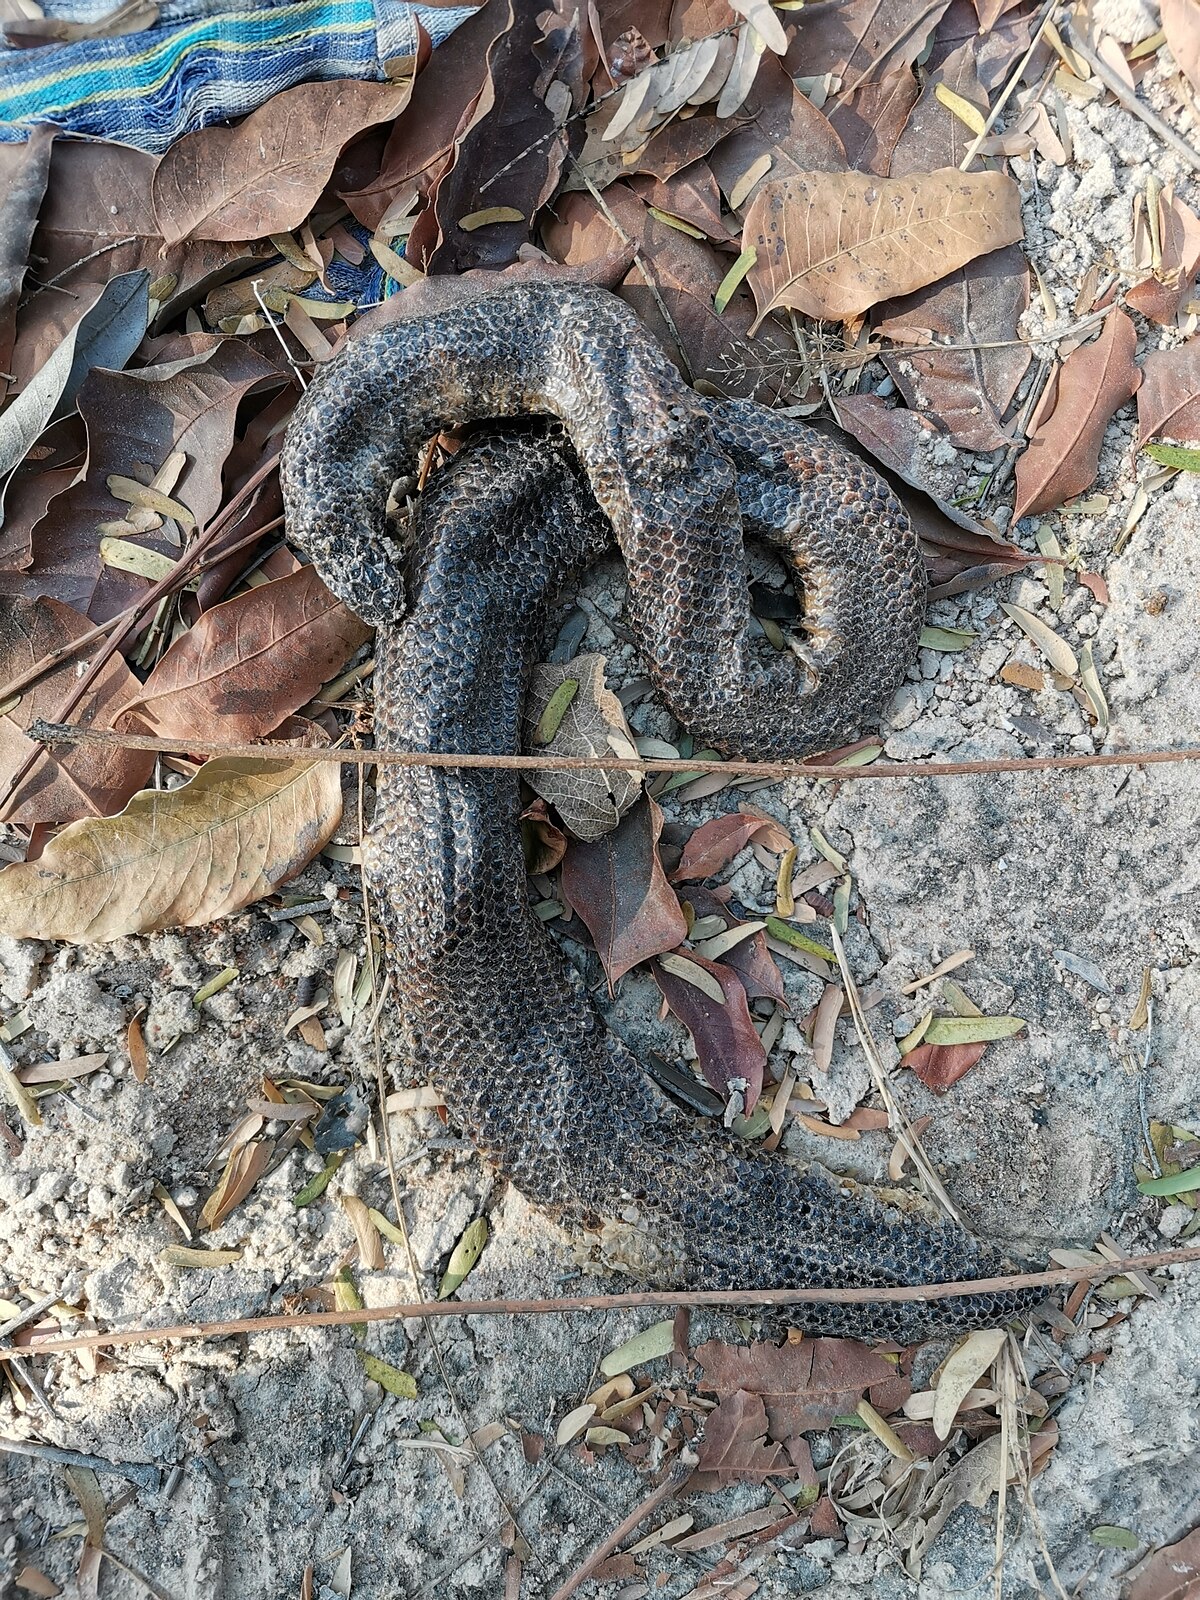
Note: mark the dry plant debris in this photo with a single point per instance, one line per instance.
(809, 206)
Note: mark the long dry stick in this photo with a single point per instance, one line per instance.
(69, 733)
(674, 1485)
(720, 1298)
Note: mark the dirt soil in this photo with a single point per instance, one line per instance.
(278, 1450)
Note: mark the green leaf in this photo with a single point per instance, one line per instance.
(656, 1340)
(1174, 1183)
(971, 1030)
(464, 1256)
(733, 277)
(778, 929)
(1110, 1538)
(401, 1384)
(316, 1186)
(556, 709)
(1173, 455)
(946, 638)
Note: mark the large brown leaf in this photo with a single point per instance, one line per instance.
(861, 41)
(177, 858)
(81, 780)
(263, 176)
(248, 664)
(533, 80)
(749, 958)
(24, 169)
(1168, 397)
(136, 420)
(1063, 454)
(100, 197)
(618, 886)
(735, 1448)
(871, 119)
(803, 1386)
(1172, 1573)
(728, 1049)
(834, 244)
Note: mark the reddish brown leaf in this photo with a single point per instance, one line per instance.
(425, 130)
(77, 781)
(714, 844)
(1168, 397)
(24, 169)
(803, 1386)
(545, 843)
(1063, 454)
(832, 245)
(98, 196)
(618, 886)
(1162, 296)
(248, 664)
(1097, 584)
(135, 420)
(1172, 1573)
(135, 1044)
(535, 64)
(940, 1065)
(1181, 24)
(735, 1446)
(263, 176)
(870, 120)
(750, 959)
(728, 1048)
(861, 41)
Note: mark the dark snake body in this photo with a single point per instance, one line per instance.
(488, 1005)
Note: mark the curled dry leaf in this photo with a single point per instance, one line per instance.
(251, 662)
(618, 887)
(24, 169)
(263, 176)
(735, 1448)
(1063, 453)
(728, 1048)
(1168, 397)
(831, 245)
(78, 780)
(714, 844)
(803, 1386)
(181, 858)
(940, 1065)
(592, 723)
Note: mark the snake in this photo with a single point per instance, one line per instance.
(489, 1007)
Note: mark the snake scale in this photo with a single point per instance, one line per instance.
(488, 1005)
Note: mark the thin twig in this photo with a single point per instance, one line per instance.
(69, 733)
(53, 283)
(1013, 79)
(1188, 1255)
(674, 1485)
(145, 1476)
(1131, 102)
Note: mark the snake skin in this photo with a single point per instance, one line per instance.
(489, 1008)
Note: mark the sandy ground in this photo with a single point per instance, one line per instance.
(1036, 1144)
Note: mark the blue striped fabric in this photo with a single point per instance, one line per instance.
(202, 63)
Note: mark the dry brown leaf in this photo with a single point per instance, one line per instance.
(1168, 397)
(831, 245)
(735, 1447)
(1172, 1573)
(1181, 24)
(1163, 295)
(243, 1169)
(24, 169)
(749, 958)
(618, 886)
(135, 1044)
(729, 1051)
(78, 780)
(803, 1386)
(179, 858)
(590, 801)
(829, 1009)
(714, 844)
(263, 176)
(940, 1065)
(251, 662)
(1063, 454)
